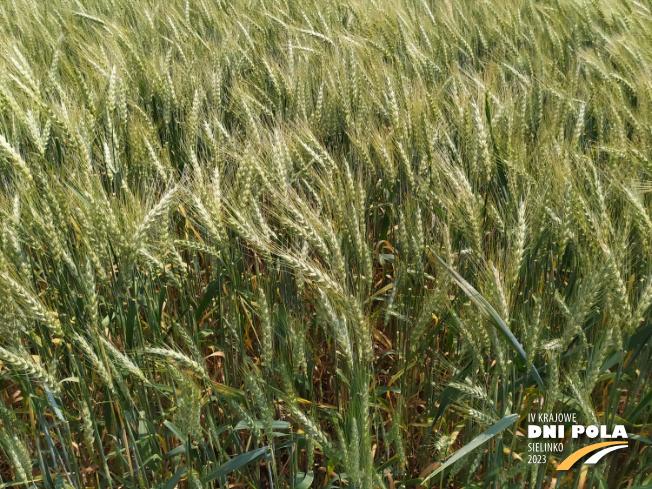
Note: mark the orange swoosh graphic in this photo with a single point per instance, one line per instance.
(575, 456)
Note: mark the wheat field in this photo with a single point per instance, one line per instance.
(292, 244)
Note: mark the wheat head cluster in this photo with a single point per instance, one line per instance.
(293, 244)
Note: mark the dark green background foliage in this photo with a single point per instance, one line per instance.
(322, 244)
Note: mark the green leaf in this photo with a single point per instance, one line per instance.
(175, 452)
(210, 292)
(53, 403)
(303, 481)
(644, 403)
(640, 438)
(341, 477)
(489, 312)
(341, 375)
(176, 431)
(129, 325)
(393, 460)
(174, 480)
(475, 443)
(60, 483)
(235, 463)
(448, 396)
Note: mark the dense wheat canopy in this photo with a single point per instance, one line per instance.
(292, 244)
